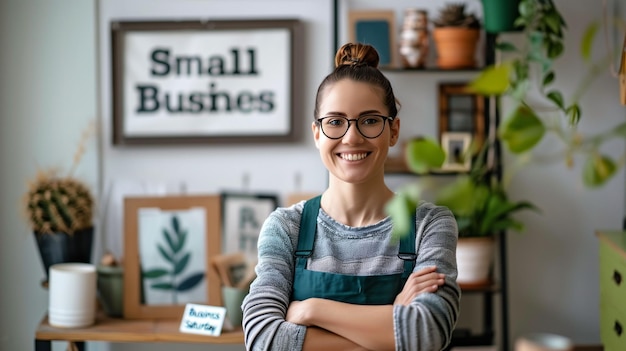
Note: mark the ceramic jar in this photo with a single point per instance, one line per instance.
(414, 38)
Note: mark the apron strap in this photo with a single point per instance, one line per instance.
(308, 226)
(407, 249)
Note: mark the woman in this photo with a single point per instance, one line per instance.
(329, 275)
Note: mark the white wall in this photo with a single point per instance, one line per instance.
(50, 58)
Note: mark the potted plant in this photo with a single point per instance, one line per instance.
(59, 210)
(527, 80)
(456, 35)
(500, 15)
(482, 208)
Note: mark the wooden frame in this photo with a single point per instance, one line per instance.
(461, 111)
(243, 214)
(378, 28)
(206, 81)
(190, 243)
(457, 149)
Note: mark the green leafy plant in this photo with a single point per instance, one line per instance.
(178, 261)
(538, 109)
(480, 203)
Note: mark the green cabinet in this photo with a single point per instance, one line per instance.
(613, 290)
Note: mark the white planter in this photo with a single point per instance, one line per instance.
(474, 259)
(72, 295)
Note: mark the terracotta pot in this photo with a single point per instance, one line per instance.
(456, 47)
(474, 259)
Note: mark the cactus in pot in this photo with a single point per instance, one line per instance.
(58, 204)
(59, 210)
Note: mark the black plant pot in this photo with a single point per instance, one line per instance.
(62, 247)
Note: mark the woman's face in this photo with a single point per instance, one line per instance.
(354, 158)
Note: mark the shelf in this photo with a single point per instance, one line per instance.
(132, 330)
(430, 69)
(479, 288)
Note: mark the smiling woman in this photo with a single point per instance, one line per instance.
(330, 274)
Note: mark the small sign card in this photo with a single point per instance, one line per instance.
(202, 319)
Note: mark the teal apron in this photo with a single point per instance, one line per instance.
(362, 290)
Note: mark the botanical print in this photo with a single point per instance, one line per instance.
(172, 256)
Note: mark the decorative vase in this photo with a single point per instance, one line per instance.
(414, 38)
(111, 289)
(456, 47)
(61, 248)
(500, 15)
(474, 258)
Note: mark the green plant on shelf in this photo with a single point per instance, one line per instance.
(168, 279)
(538, 108)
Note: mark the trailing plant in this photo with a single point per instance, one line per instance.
(56, 203)
(454, 15)
(527, 80)
(539, 108)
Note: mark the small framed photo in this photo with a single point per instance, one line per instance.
(457, 149)
(168, 244)
(377, 28)
(243, 215)
(461, 111)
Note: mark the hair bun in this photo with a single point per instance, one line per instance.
(356, 55)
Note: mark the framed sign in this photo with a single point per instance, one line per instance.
(169, 243)
(242, 217)
(205, 81)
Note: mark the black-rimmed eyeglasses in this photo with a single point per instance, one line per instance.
(370, 126)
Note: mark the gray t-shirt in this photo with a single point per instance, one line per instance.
(426, 324)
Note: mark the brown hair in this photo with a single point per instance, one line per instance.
(359, 62)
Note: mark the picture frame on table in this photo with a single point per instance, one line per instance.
(243, 214)
(215, 81)
(457, 145)
(377, 28)
(168, 244)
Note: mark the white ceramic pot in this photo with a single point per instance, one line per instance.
(72, 295)
(474, 259)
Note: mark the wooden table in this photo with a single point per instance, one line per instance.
(126, 330)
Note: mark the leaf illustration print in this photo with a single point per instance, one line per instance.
(173, 277)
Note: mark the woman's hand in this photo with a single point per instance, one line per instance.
(298, 312)
(424, 280)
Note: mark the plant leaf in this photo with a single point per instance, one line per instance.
(493, 80)
(573, 114)
(401, 209)
(154, 273)
(162, 286)
(522, 131)
(424, 154)
(175, 224)
(168, 238)
(182, 264)
(164, 254)
(587, 41)
(458, 196)
(556, 97)
(506, 46)
(190, 282)
(598, 169)
(182, 238)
